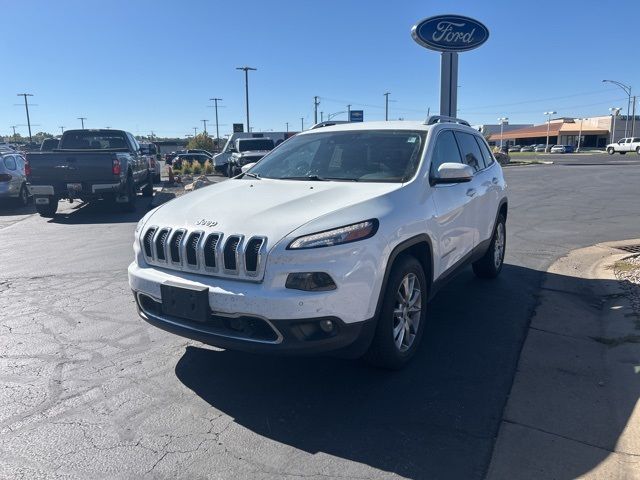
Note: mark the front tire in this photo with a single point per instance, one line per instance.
(402, 316)
(611, 150)
(638, 150)
(490, 265)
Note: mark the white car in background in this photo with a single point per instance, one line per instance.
(624, 145)
(333, 242)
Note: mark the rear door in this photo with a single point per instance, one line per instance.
(456, 233)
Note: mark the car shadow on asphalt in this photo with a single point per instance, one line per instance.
(10, 207)
(437, 418)
(101, 212)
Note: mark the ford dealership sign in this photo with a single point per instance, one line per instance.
(450, 33)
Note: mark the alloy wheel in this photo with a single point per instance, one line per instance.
(407, 313)
(498, 246)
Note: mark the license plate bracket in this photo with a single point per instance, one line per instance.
(74, 187)
(188, 302)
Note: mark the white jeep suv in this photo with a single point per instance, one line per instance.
(335, 241)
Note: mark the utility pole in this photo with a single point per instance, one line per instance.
(633, 117)
(301, 124)
(215, 101)
(579, 135)
(386, 105)
(316, 102)
(246, 89)
(195, 131)
(287, 127)
(546, 149)
(61, 127)
(204, 122)
(82, 119)
(14, 132)
(26, 107)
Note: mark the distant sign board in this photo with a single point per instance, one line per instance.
(238, 127)
(450, 33)
(356, 116)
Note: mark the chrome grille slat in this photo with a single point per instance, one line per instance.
(203, 252)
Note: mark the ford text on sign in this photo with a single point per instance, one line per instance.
(450, 33)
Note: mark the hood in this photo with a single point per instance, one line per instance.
(266, 207)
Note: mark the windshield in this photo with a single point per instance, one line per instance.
(247, 144)
(366, 156)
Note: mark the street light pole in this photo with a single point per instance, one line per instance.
(215, 101)
(82, 119)
(546, 148)
(61, 127)
(502, 121)
(26, 107)
(579, 135)
(627, 90)
(301, 124)
(316, 102)
(348, 113)
(287, 126)
(386, 106)
(246, 89)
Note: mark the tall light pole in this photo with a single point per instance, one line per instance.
(627, 90)
(204, 122)
(61, 127)
(548, 114)
(246, 89)
(348, 113)
(579, 134)
(301, 124)
(386, 105)
(614, 112)
(26, 107)
(502, 121)
(82, 119)
(287, 126)
(215, 101)
(316, 102)
(322, 116)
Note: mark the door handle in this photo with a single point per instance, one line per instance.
(494, 181)
(471, 192)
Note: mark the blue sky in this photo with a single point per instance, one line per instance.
(145, 65)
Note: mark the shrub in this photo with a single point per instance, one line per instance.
(196, 167)
(186, 167)
(208, 167)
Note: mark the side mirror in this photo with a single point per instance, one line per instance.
(452, 173)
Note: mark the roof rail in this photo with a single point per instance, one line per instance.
(443, 119)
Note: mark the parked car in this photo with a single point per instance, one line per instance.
(248, 150)
(527, 148)
(13, 180)
(197, 150)
(624, 145)
(49, 144)
(541, 147)
(335, 241)
(89, 165)
(515, 148)
(502, 158)
(221, 160)
(201, 158)
(562, 149)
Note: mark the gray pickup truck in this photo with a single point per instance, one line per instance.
(89, 165)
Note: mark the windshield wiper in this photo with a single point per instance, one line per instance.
(313, 178)
(252, 175)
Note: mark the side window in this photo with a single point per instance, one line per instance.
(636, 140)
(486, 154)
(628, 140)
(444, 151)
(10, 162)
(470, 151)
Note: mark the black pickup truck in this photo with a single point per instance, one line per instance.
(89, 165)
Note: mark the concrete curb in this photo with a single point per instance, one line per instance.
(573, 409)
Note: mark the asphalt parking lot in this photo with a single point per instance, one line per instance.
(91, 391)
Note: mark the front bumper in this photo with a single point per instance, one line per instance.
(303, 336)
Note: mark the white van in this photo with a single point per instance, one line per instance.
(221, 160)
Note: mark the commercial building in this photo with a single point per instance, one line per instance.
(596, 132)
(488, 130)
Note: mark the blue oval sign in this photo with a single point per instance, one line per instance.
(450, 33)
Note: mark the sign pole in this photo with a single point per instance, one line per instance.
(449, 84)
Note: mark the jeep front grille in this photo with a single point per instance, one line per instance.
(214, 253)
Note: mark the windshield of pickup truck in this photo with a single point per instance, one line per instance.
(248, 144)
(364, 156)
(88, 140)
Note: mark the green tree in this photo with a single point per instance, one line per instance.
(201, 141)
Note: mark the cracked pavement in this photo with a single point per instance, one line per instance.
(89, 390)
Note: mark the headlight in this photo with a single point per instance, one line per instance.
(337, 236)
(144, 219)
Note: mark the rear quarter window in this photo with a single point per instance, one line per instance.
(10, 163)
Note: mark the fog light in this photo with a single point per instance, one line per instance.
(326, 326)
(310, 281)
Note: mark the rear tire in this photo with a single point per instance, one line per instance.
(130, 204)
(490, 265)
(147, 191)
(402, 317)
(49, 210)
(23, 196)
(638, 150)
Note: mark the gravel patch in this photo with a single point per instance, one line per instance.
(628, 272)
